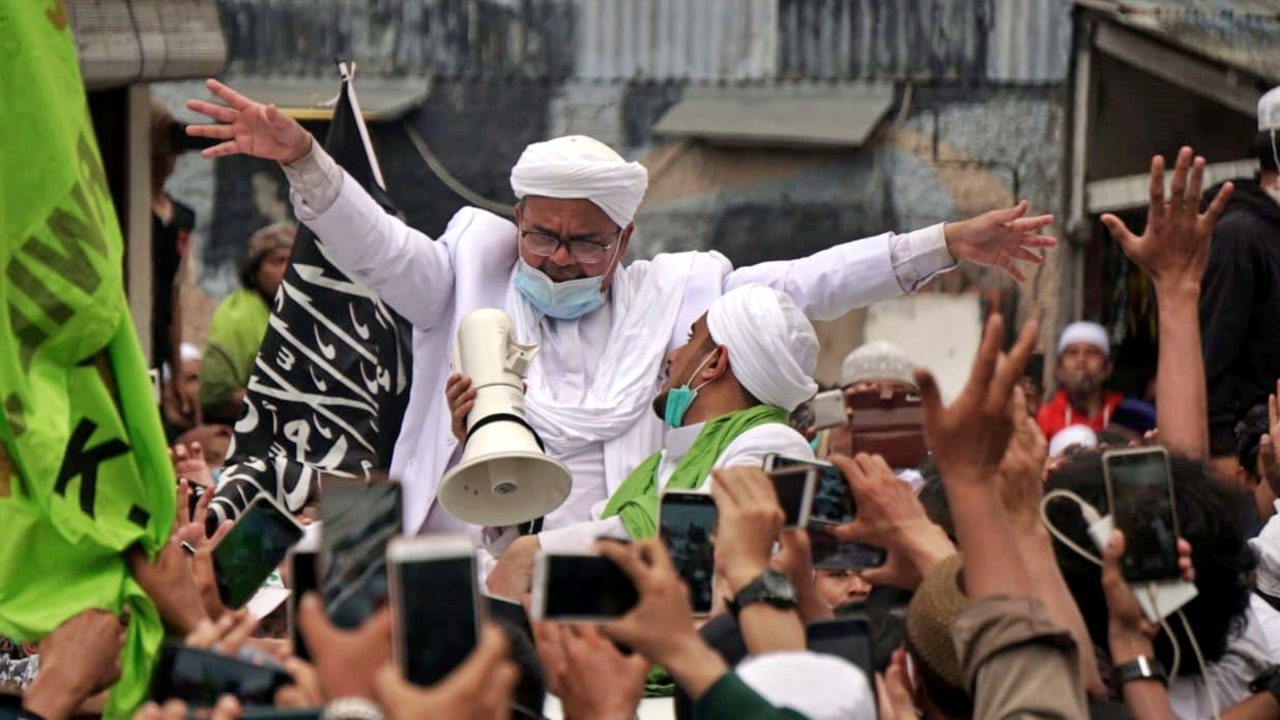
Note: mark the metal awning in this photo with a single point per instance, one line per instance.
(780, 116)
(121, 42)
(312, 99)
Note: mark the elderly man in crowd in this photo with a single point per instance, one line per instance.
(604, 327)
(748, 362)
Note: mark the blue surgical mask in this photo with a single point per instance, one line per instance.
(568, 300)
(680, 399)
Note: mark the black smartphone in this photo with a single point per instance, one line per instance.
(832, 500)
(199, 677)
(686, 524)
(252, 550)
(359, 520)
(828, 553)
(794, 486)
(1140, 494)
(436, 608)
(304, 577)
(847, 637)
(580, 588)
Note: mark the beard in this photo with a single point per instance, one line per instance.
(660, 405)
(1081, 387)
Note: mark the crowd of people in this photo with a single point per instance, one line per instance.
(1003, 591)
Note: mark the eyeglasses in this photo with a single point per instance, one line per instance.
(587, 252)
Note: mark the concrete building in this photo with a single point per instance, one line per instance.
(771, 128)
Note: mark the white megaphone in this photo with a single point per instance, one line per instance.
(504, 478)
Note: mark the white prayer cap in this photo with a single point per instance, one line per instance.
(817, 686)
(877, 360)
(576, 167)
(1085, 332)
(1081, 435)
(189, 352)
(773, 349)
(1267, 549)
(1269, 110)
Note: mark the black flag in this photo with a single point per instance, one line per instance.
(331, 381)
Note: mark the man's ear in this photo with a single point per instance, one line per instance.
(624, 240)
(1106, 373)
(718, 366)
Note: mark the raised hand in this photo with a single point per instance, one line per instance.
(1174, 248)
(80, 658)
(970, 436)
(1022, 468)
(482, 688)
(999, 238)
(748, 522)
(248, 127)
(189, 463)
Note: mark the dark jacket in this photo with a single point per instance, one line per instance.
(1240, 310)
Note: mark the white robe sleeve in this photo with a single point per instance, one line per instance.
(407, 269)
(830, 283)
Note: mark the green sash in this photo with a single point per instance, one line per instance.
(636, 501)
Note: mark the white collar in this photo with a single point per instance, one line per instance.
(677, 441)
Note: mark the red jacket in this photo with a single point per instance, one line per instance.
(1058, 413)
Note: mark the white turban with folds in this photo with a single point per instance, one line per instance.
(578, 167)
(773, 349)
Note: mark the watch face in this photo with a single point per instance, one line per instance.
(777, 586)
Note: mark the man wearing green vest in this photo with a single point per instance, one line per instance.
(729, 389)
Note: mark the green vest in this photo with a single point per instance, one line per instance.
(636, 501)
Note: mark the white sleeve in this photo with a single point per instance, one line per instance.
(830, 283)
(750, 448)
(406, 268)
(580, 536)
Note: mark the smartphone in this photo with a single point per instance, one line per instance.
(687, 524)
(828, 553)
(580, 587)
(251, 551)
(828, 409)
(435, 600)
(199, 677)
(304, 577)
(1140, 495)
(891, 426)
(848, 638)
(832, 500)
(359, 520)
(794, 487)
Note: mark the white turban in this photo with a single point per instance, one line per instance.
(1089, 333)
(817, 686)
(1072, 435)
(877, 360)
(773, 349)
(576, 167)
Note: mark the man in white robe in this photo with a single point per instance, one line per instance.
(748, 363)
(604, 327)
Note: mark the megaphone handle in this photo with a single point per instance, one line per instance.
(519, 357)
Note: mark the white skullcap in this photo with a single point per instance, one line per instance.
(189, 352)
(773, 349)
(1082, 435)
(578, 167)
(1269, 110)
(877, 360)
(819, 687)
(1267, 549)
(1090, 333)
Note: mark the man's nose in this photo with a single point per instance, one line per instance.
(561, 256)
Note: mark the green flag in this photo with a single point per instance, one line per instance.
(84, 471)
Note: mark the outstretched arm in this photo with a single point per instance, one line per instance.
(855, 274)
(1173, 251)
(409, 272)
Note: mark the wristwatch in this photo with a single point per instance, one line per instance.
(1141, 668)
(771, 587)
(1268, 681)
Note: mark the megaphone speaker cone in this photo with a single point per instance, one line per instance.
(505, 486)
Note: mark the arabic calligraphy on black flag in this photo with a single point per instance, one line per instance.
(331, 380)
